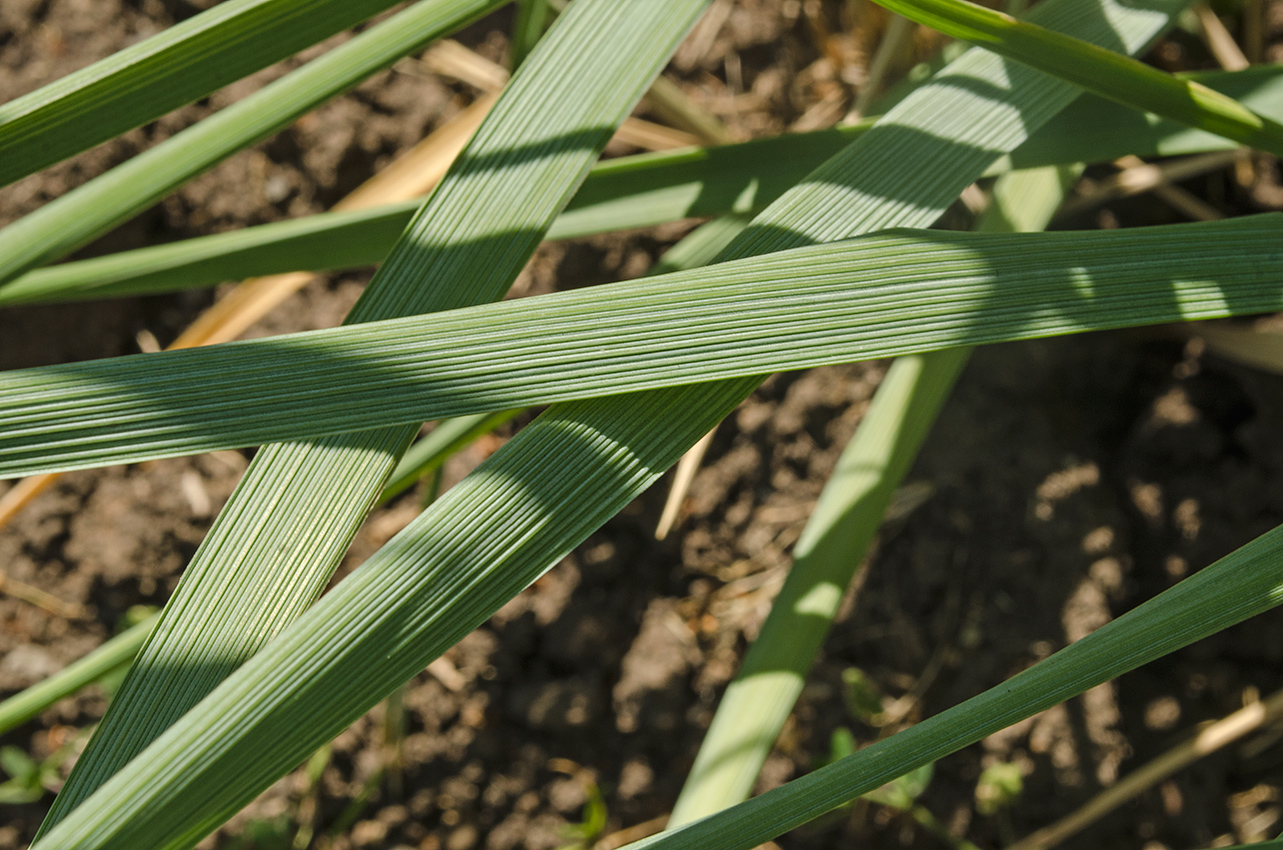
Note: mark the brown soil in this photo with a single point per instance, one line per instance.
(1065, 482)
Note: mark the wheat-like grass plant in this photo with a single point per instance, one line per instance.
(821, 256)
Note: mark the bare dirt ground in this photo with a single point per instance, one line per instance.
(1065, 482)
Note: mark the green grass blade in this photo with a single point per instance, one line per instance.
(90, 210)
(619, 194)
(313, 243)
(175, 67)
(837, 536)
(532, 15)
(1105, 72)
(1244, 583)
(761, 697)
(625, 193)
(1026, 201)
(117, 652)
(277, 541)
(897, 293)
(548, 488)
(428, 454)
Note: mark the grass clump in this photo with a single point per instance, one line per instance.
(821, 254)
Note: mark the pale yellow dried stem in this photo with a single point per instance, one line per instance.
(1218, 39)
(673, 105)
(653, 137)
(1174, 196)
(1138, 177)
(411, 175)
(23, 492)
(682, 478)
(1212, 738)
(452, 59)
(39, 598)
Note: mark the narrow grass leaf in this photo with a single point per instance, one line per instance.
(1093, 129)
(436, 448)
(1244, 583)
(172, 68)
(1105, 72)
(90, 210)
(702, 245)
(113, 654)
(761, 697)
(527, 29)
(836, 538)
(619, 194)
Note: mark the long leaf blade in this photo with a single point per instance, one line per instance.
(170, 69)
(113, 654)
(1244, 583)
(874, 297)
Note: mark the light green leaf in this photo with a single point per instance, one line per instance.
(901, 792)
(836, 540)
(113, 654)
(435, 449)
